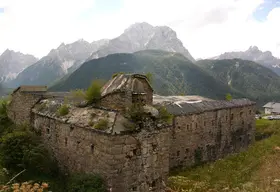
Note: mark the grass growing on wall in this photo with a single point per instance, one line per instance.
(102, 124)
(253, 170)
(63, 110)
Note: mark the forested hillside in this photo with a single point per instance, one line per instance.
(172, 73)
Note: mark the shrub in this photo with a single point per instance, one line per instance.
(63, 110)
(6, 124)
(93, 93)
(24, 150)
(136, 113)
(149, 77)
(3, 108)
(164, 114)
(228, 97)
(102, 124)
(85, 183)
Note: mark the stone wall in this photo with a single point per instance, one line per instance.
(19, 109)
(132, 162)
(148, 91)
(207, 136)
(117, 101)
(121, 99)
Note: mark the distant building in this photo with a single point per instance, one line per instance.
(272, 108)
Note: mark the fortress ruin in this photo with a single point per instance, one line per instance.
(129, 156)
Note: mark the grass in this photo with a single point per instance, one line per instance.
(253, 170)
(102, 124)
(63, 110)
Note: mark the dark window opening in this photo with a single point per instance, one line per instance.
(92, 148)
(231, 117)
(250, 112)
(78, 142)
(213, 122)
(195, 125)
(48, 131)
(241, 113)
(178, 153)
(134, 188)
(204, 123)
(65, 141)
(136, 152)
(71, 127)
(187, 151)
(153, 184)
(242, 122)
(226, 117)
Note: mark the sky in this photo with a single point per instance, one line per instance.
(206, 28)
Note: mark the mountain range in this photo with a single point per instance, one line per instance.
(172, 73)
(255, 54)
(12, 63)
(175, 74)
(247, 78)
(66, 58)
(145, 48)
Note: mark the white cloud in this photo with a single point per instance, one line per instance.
(207, 28)
(36, 26)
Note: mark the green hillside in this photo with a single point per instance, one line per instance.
(246, 77)
(172, 73)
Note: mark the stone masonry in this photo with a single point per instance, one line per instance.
(128, 157)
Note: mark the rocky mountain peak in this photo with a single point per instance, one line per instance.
(255, 54)
(140, 27)
(62, 45)
(64, 59)
(7, 51)
(11, 63)
(253, 48)
(143, 36)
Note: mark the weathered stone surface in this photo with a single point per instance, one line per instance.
(19, 109)
(138, 160)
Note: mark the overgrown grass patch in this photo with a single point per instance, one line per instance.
(63, 110)
(102, 124)
(235, 170)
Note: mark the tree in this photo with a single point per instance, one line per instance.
(149, 76)
(23, 149)
(228, 97)
(93, 93)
